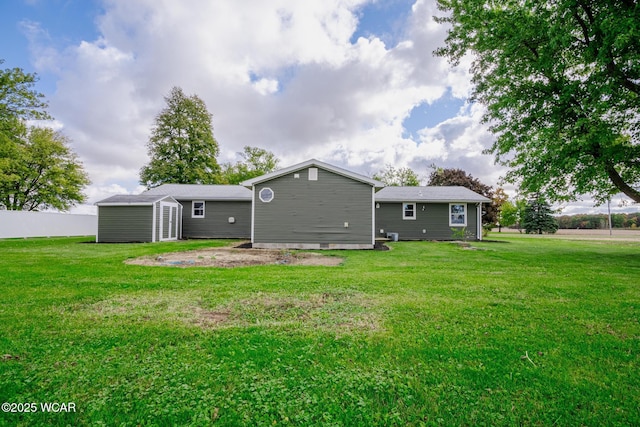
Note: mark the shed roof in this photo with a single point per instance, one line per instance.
(312, 163)
(430, 194)
(133, 199)
(203, 192)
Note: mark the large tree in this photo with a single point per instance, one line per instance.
(398, 177)
(181, 146)
(38, 170)
(538, 217)
(512, 214)
(18, 99)
(443, 177)
(254, 162)
(561, 83)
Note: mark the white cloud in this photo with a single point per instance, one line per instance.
(266, 86)
(279, 74)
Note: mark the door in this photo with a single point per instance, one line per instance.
(168, 221)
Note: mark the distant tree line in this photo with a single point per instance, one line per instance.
(599, 221)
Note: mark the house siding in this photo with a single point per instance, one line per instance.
(215, 224)
(125, 224)
(307, 211)
(433, 218)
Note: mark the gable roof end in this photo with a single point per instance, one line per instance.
(312, 163)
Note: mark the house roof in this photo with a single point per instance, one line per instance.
(132, 199)
(203, 192)
(312, 163)
(429, 194)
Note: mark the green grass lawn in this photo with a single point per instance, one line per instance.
(518, 332)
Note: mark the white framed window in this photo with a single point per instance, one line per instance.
(457, 215)
(313, 174)
(266, 195)
(408, 211)
(197, 209)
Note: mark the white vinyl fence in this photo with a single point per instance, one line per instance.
(46, 224)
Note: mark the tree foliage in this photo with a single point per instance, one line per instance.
(18, 99)
(254, 162)
(38, 170)
(181, 146)
(538, 217)
(397, 177)
(442, 177)
(561, 82)
(512, 214)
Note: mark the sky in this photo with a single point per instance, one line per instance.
(353, 83)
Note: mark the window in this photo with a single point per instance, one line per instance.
(197, 209)
(457, 215)
(408, 211)
(266, 194)
(313, 174)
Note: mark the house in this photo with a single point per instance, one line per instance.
(313, 205)
(139, 218)
(211, 211)
(429, 213)
(310, 205)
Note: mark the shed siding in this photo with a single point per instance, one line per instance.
(431, 217)
(314, 211)
(215, 224)
(124, 224)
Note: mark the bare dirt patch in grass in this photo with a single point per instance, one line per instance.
(236, 257)
(340, 312)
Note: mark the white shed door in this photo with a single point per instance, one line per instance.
(168, 221)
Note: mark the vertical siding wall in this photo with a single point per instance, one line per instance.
(304, 211)
(432, 218)
(45, 224)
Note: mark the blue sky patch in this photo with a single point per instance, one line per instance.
(54, 18)
(383, 19)
(430, 115)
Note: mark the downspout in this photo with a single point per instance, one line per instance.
(253, 213)
(479, 220)
(373, 215)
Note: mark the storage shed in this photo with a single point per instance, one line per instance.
(211, 211)
(429, 213)
(313, 205)
(138, 218)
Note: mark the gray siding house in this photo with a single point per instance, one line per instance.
(139, 218)
(211, 211)
(313, 205)
(429, 213)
